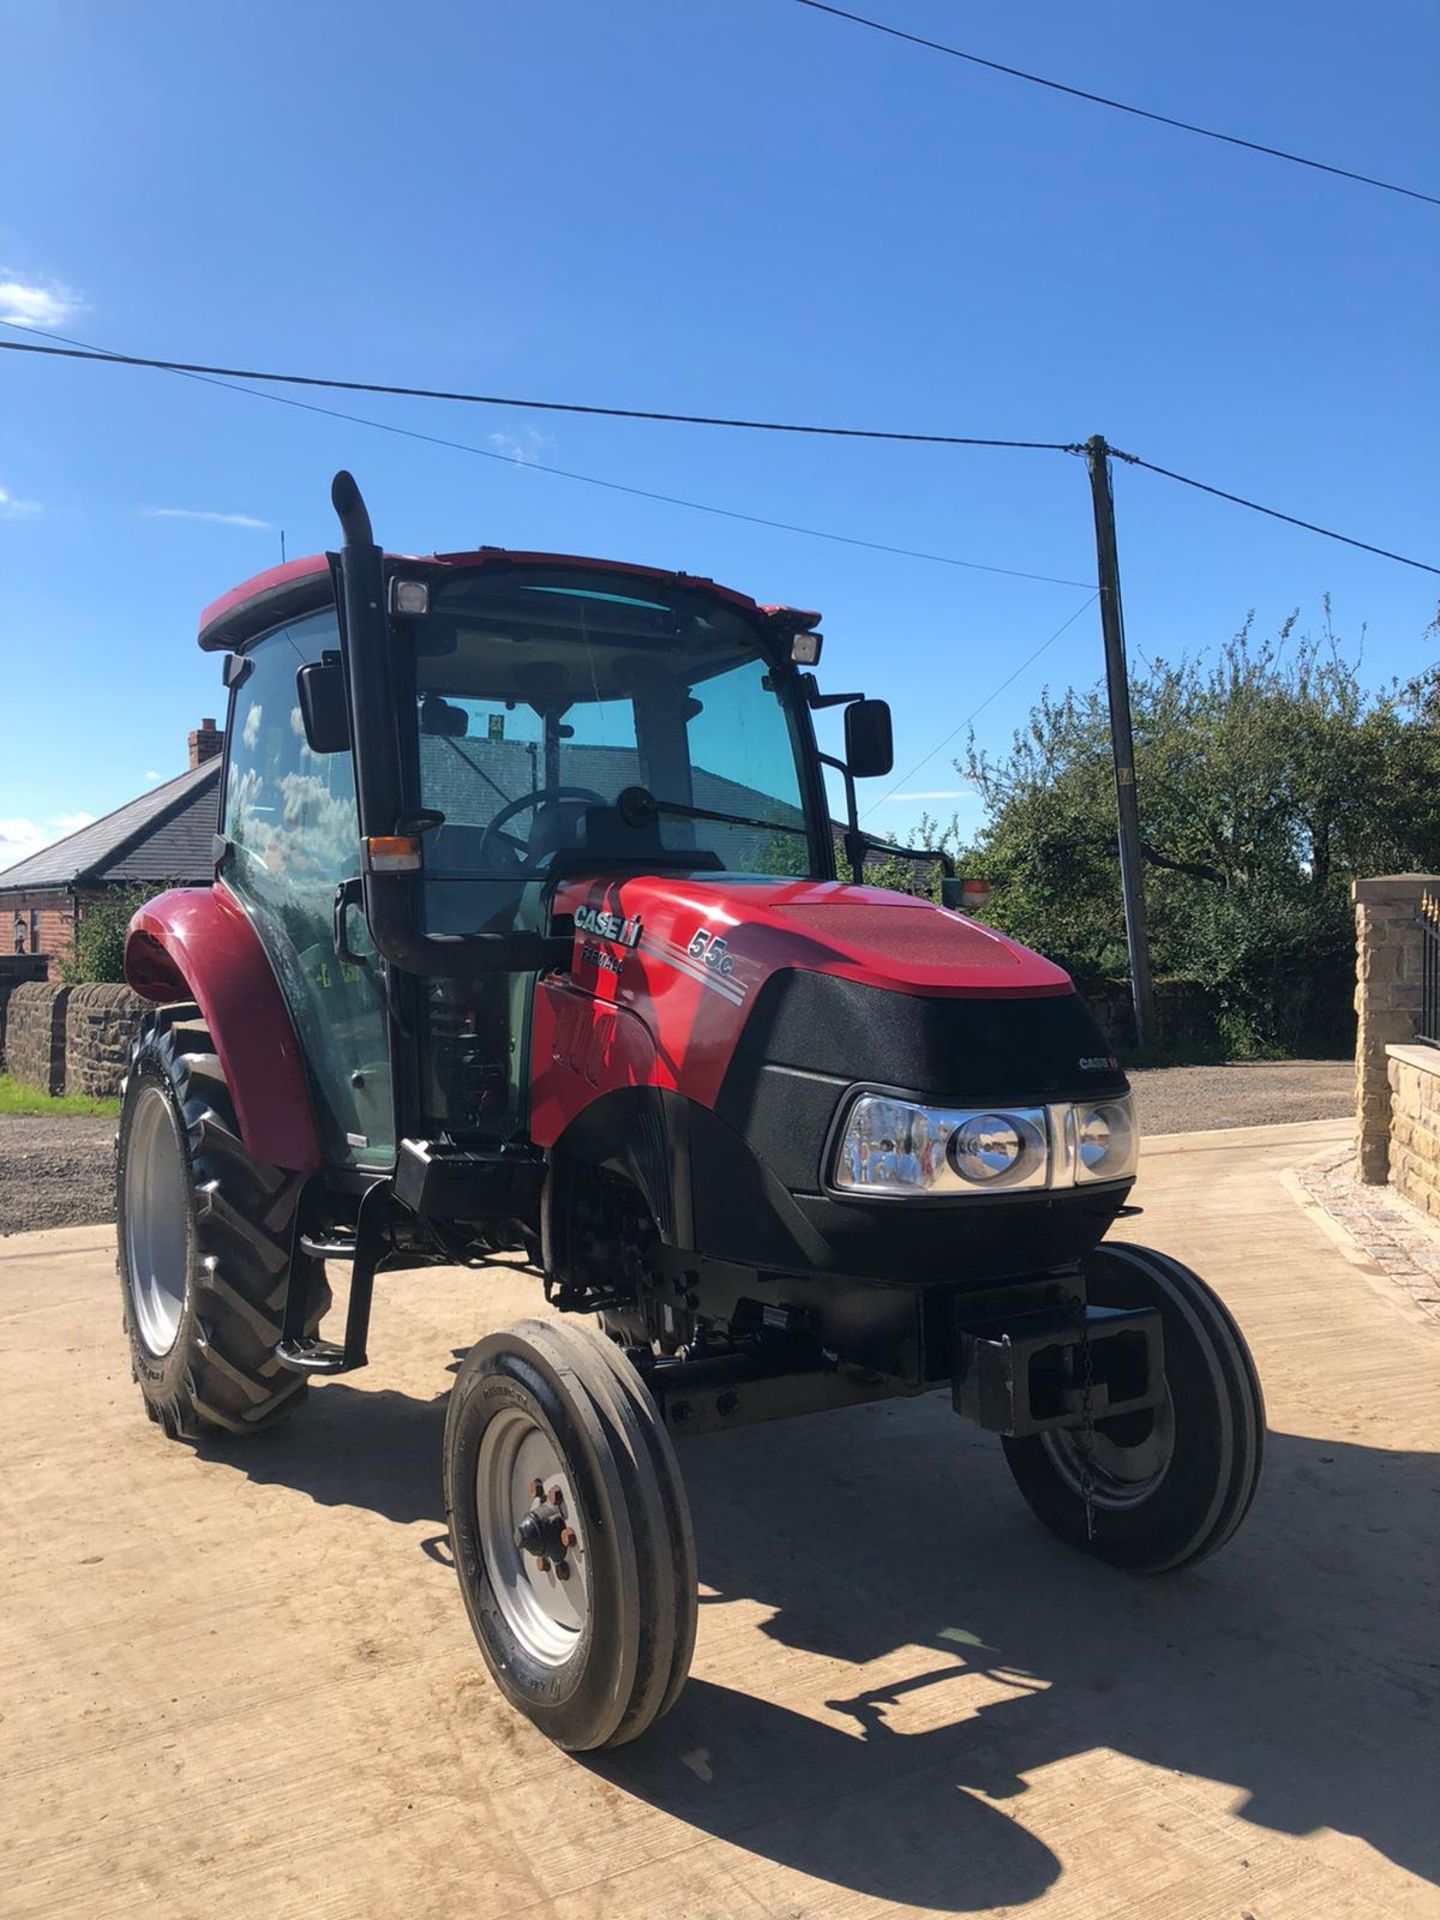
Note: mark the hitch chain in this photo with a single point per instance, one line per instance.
(1087, 1418)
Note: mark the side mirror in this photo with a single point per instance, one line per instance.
(322, 706)
(869, 747)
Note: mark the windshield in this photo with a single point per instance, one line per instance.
(543, 694)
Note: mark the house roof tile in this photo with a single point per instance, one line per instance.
(163, 835)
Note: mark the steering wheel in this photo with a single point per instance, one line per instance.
(542, 796)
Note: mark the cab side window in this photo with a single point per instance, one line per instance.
(289, 815)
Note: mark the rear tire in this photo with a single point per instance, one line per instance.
(1171, 1486)
(595, 1655)
(205, 1242)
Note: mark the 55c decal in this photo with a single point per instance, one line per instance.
(711, 950)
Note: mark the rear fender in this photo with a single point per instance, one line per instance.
(197, 943)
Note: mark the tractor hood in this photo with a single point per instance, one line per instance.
(754, 1006)
(729, 932)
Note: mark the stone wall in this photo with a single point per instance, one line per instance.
(35, 1035)
(1387, 1002)
(1414, 1077)
(15, 970)
(1186, 1016)
(100, 1023)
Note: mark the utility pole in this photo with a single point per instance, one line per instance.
(1117, 681)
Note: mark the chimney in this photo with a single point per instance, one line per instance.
(206, 743)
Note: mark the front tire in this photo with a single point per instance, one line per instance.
(1170, 1486)
(571, 1533)
(205, 1242)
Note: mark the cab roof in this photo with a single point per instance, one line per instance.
(300, 587)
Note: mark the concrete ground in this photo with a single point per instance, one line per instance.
(239, 1681)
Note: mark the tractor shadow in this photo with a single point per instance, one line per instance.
(1300, 1667)
(380, 1450)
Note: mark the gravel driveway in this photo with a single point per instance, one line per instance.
(1249, 1093)
(55, 1173)
(60, 1173)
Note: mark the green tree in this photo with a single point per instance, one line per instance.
(920, 877)
(1268, 779)
(97, 951)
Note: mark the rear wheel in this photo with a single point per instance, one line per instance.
(571, 1533)
(1169, 1486)
(205, 1242)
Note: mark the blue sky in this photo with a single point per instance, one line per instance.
(740, 207)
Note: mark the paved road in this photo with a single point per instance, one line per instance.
(239, 1681)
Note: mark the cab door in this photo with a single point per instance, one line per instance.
(288, 816)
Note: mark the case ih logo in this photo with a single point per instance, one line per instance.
(607, 926)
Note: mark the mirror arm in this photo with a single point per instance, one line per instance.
(815, 699)
(854, 838)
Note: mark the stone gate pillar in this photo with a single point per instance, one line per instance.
(1387, 1001)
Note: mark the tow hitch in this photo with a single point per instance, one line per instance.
(1026, 1374)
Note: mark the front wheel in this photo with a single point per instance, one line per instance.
(1168, 1486)
(571, 1533)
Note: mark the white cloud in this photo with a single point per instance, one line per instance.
(152, 775)
(13, 509)
(35, 303)
(940, 793)
(250, 733)
(524, 451)
(246, 520)
(19, 837)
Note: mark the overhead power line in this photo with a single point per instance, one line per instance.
(535, 406)
(223, 376)
(1118, 106)
(976, 712)
(1273, 513)
(610, 486)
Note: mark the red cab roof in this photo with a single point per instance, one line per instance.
(304, 586)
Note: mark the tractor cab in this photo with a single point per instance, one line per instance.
(494, 724)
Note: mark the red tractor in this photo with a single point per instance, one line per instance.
(525, 938)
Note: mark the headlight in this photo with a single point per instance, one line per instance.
(893, 1148)
(1105, 1143)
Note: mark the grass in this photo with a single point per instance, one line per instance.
(18, 1099)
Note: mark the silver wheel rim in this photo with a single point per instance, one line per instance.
(1121, 1476)
(157, 1222)
(546, 1614)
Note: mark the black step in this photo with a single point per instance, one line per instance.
(309, 1355)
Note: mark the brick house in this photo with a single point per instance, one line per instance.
(164, 836)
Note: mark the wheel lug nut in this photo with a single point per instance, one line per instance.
(569, 1537)
(562, 1569)
(542, 1565)
(557, 1497)
(537, 1487)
